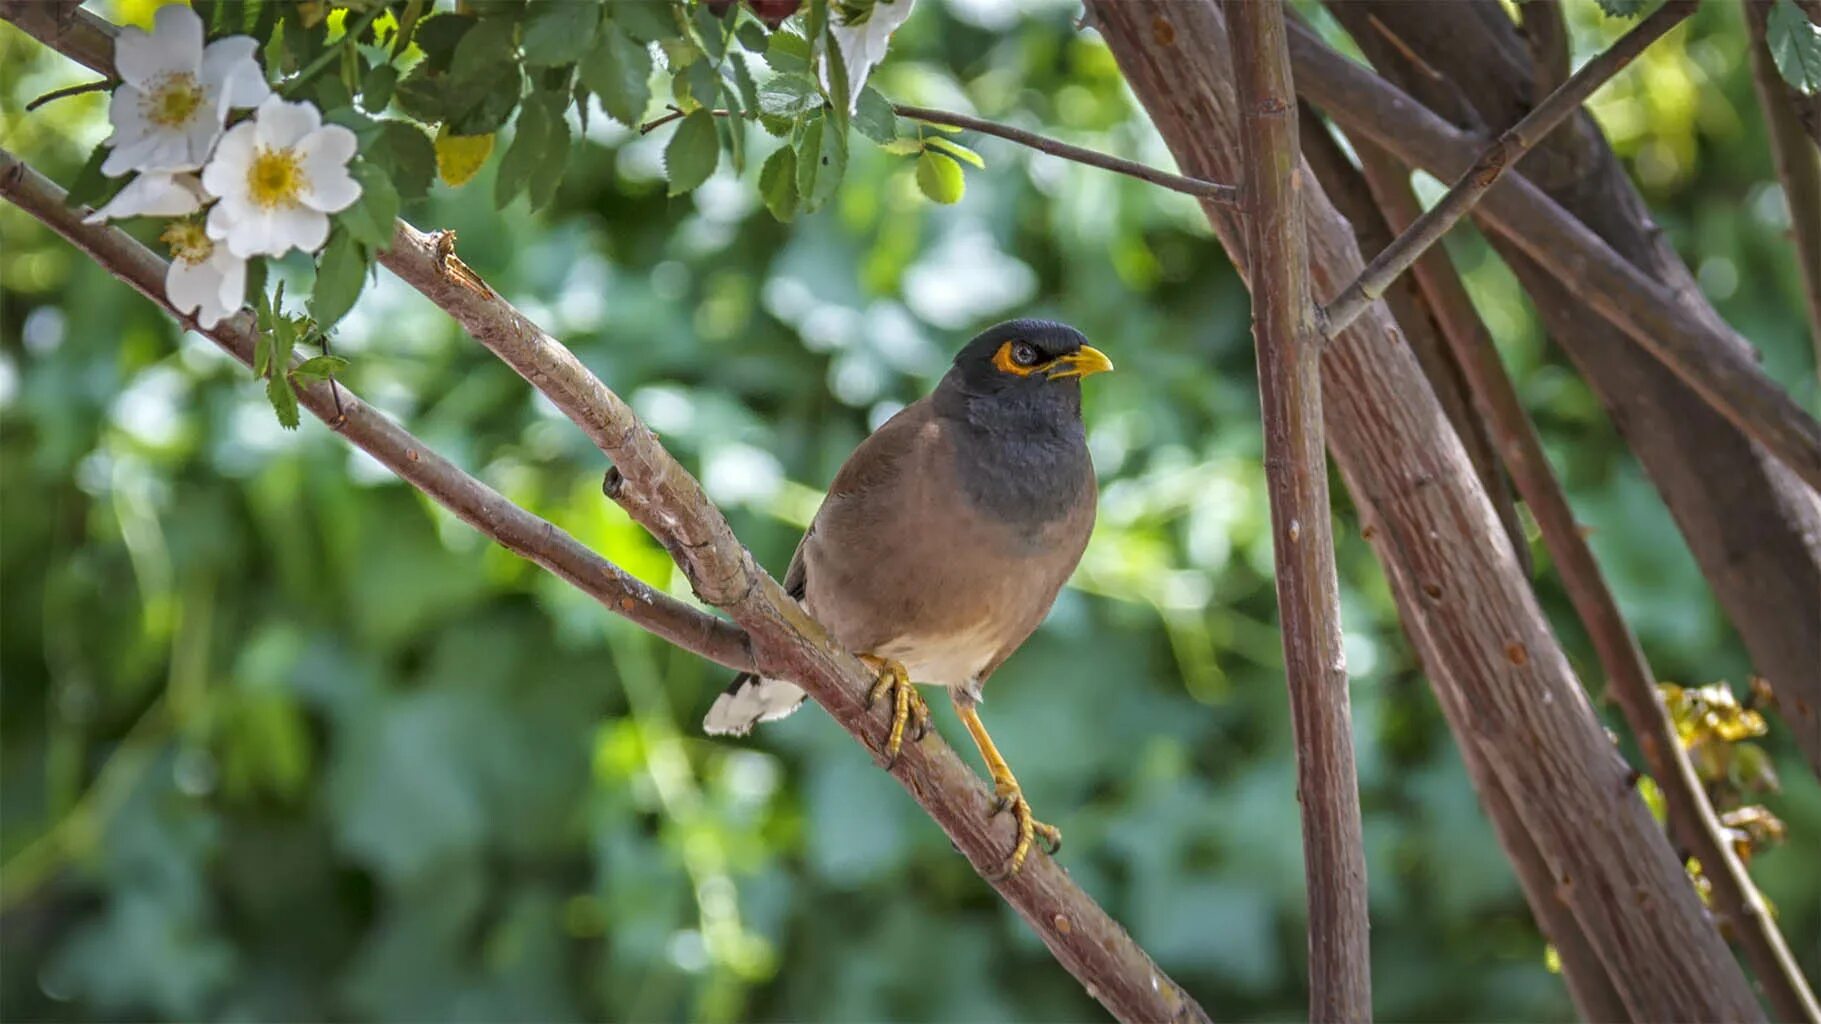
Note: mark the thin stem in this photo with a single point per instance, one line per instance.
(1296, 471)
(1691, 814)
(330, 53)
(1510, 147)
(1798, 164)
(69, 90)
(1225, 195)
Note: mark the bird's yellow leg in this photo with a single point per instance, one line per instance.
(1011, 796)
(907, 704)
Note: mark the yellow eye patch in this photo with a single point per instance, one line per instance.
(1004, 361)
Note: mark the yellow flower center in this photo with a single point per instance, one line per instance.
(188, 241)
(275, 178)
(172, 99)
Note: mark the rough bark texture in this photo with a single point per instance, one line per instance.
(1288, 344)
(1629, 678)
(1753, 527)
(1511, 695)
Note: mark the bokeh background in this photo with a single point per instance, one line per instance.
(282, 741)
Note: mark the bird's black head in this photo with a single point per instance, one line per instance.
(1022, 368)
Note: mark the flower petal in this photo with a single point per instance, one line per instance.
(281, 124)
(229, 66)
(233, 270)
(189, 286)
(325, 154)
(863, 45)
(149, 195)
(174, 44)
(226, 173)
(300, 227)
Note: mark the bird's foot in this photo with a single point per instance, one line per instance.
(1011, 797)
(908, 707)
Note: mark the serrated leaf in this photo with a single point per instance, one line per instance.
(778, 183)
(956, 150)
(619, 72)
(704, 83)
(1795, 46)
(320, 367)
(733, 129)
(821, 162)
(339, 275)
(370, 220)
(438, 37)
(559, 31)
(789, 95)
(459, 157)
(692, 153)
(377, 88)
(644, 20)
(940, 177)
(742, 78)
(522, 156)
(409, 155)
(283, 398)
(874, 116)
(751, 36)
(422, 94)
(787, 53)
(711, 32)
(262, 342)
(548, 174)
(489, 42)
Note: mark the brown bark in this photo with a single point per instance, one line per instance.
(1288, 344)
(1629, 677)
(1753, 527)
(1797, 159)
(1512, 695)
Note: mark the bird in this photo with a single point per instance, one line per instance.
(944, 540)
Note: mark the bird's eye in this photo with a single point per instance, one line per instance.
(1024, 353)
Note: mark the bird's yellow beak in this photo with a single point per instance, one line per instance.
(1084, 363)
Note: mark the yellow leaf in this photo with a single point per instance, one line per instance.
(459, 157)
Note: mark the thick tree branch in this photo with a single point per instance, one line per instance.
(1509, 692)
(1798, 163)
(1288, 344)
(1546, 35)
(1632, 683)
(1512, 144)
(477, 504)
(1751, 524)
(1711, 359)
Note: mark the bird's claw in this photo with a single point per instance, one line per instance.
(908, 708)
(1011, 797)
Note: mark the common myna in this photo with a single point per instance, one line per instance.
(945, 537)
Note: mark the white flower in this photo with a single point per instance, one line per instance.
(205, 278)
(152, 194)
(863, 29)
(174, 95)
(279, 176)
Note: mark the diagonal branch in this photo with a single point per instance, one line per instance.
(1512, 144)
(1691, 814)
(1288, 343)
(1711, 358)
(1798, 163)
(785, 642)
(477, 504)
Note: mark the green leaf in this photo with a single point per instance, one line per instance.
(482, 105)
(1623, 8)
(320, 367)
(559, 31)
(283, 398)
(788, 53)
(906, 146)
(874, 117)
(940, 178)
(438, 37)
(376, 89)
(956, 150)
(644, 20)
(693, 152)
(742, 77)
(409, 155)
(839, 92)
(778, 183)
(619, 72)
(789, 95)
(751, 36)
(821, 162)
(339, 275)
(422, 94)
(91, 187)
(1795, 46)
(704, 83)
(548, 174)
(711, 32)
(370, 220)
(523, 155)
(482, 47)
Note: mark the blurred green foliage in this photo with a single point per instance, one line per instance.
(282, 741)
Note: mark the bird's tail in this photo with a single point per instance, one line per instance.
(749, 700)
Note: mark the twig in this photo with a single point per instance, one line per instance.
(1225, 195)
(69, 90)
(1797, 163)
(477, 504)
(1505, 684)
(1288, 343)
(1512, 144)
(1708, 356)
(1691, 815)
